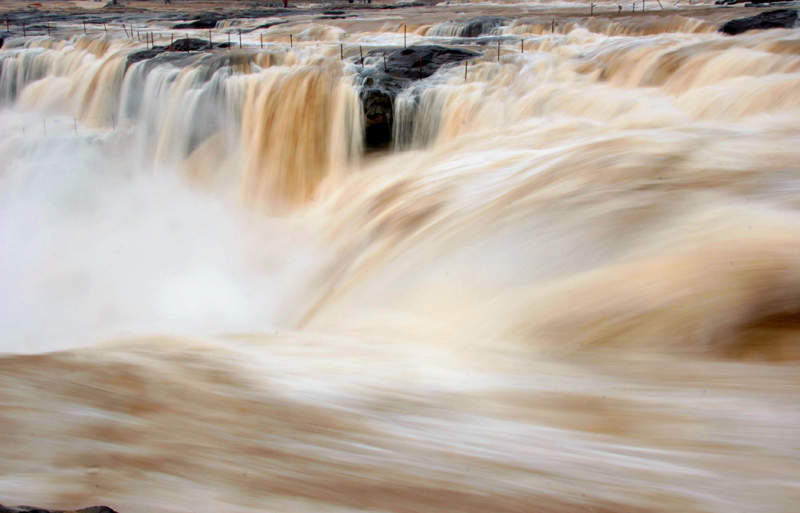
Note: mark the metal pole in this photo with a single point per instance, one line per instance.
(362, 56)
(591, 11)
(261, 36)
(240, 38)
(420, 68)
(404, 36)
(48, 29)
(187, 42)
(210, 43)
(291, 42)
(521, 46)
(465, 70)
(498, 52)
(229, 41)
(104, 28)
(385, 69)
(171, 39)
(552, 26)
(341, 51)
(84, 26)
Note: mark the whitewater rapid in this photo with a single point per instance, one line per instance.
(571, 284)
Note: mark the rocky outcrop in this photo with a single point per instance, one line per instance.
(380, 86)
(178, 47)
(378, 93)
(418, 62)
(781, 18)
(205, 22)
(30, 509)
(481, 25)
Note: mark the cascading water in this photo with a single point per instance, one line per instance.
(571, 284)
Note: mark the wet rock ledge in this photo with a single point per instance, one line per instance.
(384, 80)
(30, 509)
(781, 18)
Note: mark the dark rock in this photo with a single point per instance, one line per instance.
(379, 87)
(781, 18)
(206, 22)
(753, 3)
(188, 45)
(29, 509)
(143, 55)
(378, 94)
(406, 63)
(176, 50)
(481, 25)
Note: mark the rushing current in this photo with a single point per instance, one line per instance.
(570, 284)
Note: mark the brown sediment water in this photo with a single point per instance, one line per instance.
(572, 284)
